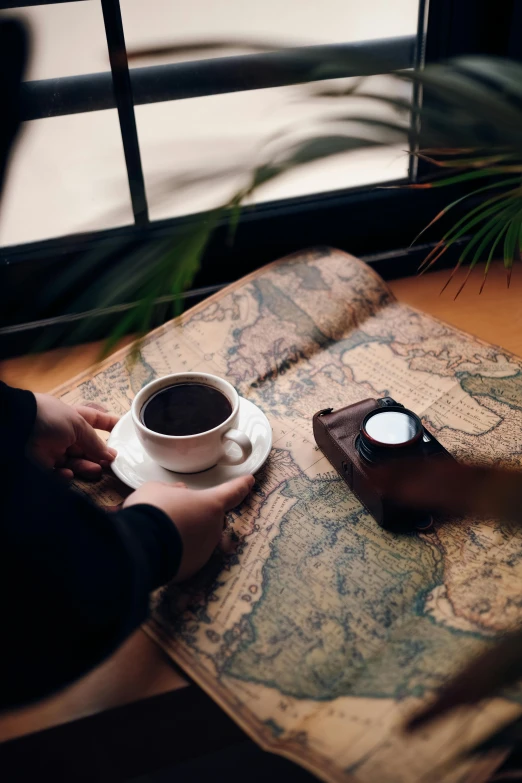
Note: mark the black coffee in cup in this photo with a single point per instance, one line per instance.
(186, 409)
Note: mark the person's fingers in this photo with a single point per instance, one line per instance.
(180, 485)
(65, 473)
(98, 419)
(90, 445)
(450, 487)
(46, 458)
(233, 492)
(84, 468)
(74, 451)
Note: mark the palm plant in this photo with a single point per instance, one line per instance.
(469, 127)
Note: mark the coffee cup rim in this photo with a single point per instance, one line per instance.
(170, 380)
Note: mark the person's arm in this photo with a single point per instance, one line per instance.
(454, 489)
(54, 434)
(17, 418)
(74, 580)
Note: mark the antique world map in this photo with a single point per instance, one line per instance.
(316, 630)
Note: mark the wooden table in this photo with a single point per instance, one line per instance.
(495, 316)
(140, 669)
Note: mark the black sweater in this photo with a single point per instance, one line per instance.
(74, 580)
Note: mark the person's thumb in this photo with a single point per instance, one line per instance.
(233, 492)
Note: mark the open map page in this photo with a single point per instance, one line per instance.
(316, 630)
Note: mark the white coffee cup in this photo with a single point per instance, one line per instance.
(192, 453)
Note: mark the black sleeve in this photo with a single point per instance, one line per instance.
(13, 59)
(74, 580)
(17, 417)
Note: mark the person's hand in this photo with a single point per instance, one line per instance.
(198, 515)
(482, 678)
(451, 488)
(64, 438)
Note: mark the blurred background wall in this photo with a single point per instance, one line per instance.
(68, 173)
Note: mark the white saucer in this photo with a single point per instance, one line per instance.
(134, 466)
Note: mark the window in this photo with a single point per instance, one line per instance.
(104, 147)
(177, 137)
(68, 172)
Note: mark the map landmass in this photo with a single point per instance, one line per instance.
(315, 629)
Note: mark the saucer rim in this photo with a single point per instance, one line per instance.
(184, 476)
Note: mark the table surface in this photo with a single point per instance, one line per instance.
(140, 669)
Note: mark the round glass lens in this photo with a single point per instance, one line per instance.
(391, 427)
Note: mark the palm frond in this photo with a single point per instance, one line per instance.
(200, 47)
(474, 193)
(480, 240)
(471, 128)
(468, 222)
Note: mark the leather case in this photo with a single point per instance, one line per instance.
(335, 433)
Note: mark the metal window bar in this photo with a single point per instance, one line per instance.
(418, 64)
(156, 83)
(70, 318)
(124, 102)
(123, 90)
(27, 3)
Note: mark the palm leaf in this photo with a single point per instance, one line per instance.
(466, 224)
(454, 236)
(462, 177)
(501, 184)
(126, 324)
(235, 212)
(472, 125)
(487, 234)
(453, 85)
(307, 151)
(510, 243)
(395, 128)
(483, 231)
(493, 248)
(482, 162)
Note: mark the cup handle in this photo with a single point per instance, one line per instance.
(243, 441)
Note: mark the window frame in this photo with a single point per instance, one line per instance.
(346, 218)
